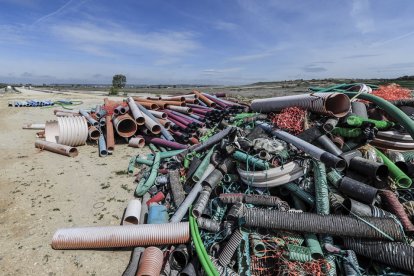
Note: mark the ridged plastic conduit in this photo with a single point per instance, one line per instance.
(393, 205)
(335, 225)
(151, 262)
(57, 148)
(73, 131)
(272, 177)
(121, 236)
(331, 104)
(230, 248)
(391, 253)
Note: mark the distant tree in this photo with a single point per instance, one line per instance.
(118, 81)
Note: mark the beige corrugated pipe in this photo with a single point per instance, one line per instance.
(331, 104)
(121, 236)
(151, 262)
(70, 131)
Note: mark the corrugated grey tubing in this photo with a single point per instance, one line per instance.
(121, 236)
(176, 187)
(216, 138)
(321, 188)
(201, 202)
(151, 262)
(331, 104)
(208, 224)
(272, 177)
(164, 131)
(328, 158)
(391, 253)
(335, 225)
(351, 264)
(183, 209)
(303, 195)
(230, 248)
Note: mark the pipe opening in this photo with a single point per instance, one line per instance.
(338, 104)
(110, 148)
(140, 120)
(179, 259)
(382, 172)
(260, 248)
(126, 128)
(116, 111)
(94, 134)
(122, 110)
(156, 129)
(73, 152)
(340, 165)
(104, 152)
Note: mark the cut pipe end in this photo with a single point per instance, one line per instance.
(156, 129)
(140, 121)
(73, 152)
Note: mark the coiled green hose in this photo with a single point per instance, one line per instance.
(357, 121)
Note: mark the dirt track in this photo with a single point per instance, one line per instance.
(43, 191)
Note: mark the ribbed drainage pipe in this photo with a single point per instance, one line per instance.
(70, 131)
(121, 236)
(56, 148)
(230, 248)
(331, 104)
(323, 224)
(151, 262)
(391, 253)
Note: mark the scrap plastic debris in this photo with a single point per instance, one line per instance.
(307, 190)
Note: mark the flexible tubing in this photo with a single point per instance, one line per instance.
(401, 179)
(142, 189)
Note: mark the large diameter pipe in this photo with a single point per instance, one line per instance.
(136, 113)
(152, 125)
(331, 104)
(121, 236)
(56, 148)
(328, 158)
(183, 209)
(164, 131)
(125, 125)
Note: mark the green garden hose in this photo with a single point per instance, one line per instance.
(347, 132)
(255, 162)
(400, 178)
(142, 189)
(203, 165)
(356, 121)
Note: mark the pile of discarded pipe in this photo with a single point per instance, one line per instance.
(169, 122)
(313, 194)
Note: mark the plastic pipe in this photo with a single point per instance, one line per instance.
(183, 209)
(136, 113)
(359, 109)
(102, 146)
(125, 125)
(151, 262)
(203, 98)
(142, 189)
(88, 117)
(248, 159)
(328, 158)
(358, 190)
(400, 178)
(331, 104)
(158, 114)
(132, 212)
(137, 142)
(152, 125)
(369, 168)
(164, 132)
(328, 145)
(203, 165)
(56, 148)
(157, 214)
(165, 143)
(110, 138)
(121, 236)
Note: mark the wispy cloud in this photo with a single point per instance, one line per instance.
(361, 13)
(393, 39)
(225, 26)
(68, 5)
(361, 56)
(12, 34)
(102, 37)
(221, 71)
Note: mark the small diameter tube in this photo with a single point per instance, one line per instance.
(328, 158)
(102, 146)
(88, 117)
(56, 148)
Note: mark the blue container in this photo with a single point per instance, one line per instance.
(157, 214)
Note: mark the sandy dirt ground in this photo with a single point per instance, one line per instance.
(43, 191)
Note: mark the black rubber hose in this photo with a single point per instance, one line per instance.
(191, 268)
(328, 145)
(358, 190)
(336, 225)
(180, 257)
(195, 162)
(391, 253)
(236, 211)
(216, 138)
(369, 168)
(227, 165)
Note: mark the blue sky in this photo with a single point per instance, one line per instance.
(212, 42)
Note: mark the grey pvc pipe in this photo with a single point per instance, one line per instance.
(152, 125)
(164, 132)
(56, 148)
(328, 158)
(183, 209)
(331, 104)
(88, 117)
(121, 236)
(158, 114)
(359, 109)
(136, 113)
(102, 146)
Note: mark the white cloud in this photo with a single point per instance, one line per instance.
(167, 42)
(361, 14)
(225, 26)
(221, 71)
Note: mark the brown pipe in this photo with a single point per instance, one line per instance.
(151, 125)
(137, 142)
(191, 101)
(151, 262)
(203, 98)
(110, 138)
(93, 133)
(165, 123)
(173, 98)
(121, 236)
(154, 98)
(56, 148)
(125, 125)
(148, 105)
